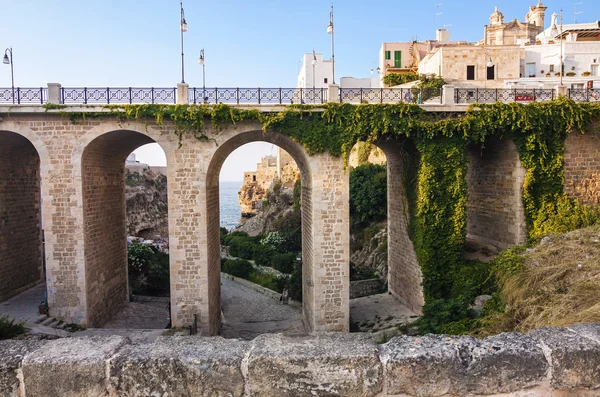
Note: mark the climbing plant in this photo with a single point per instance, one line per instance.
(439, 191)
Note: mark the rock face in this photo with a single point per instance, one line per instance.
(278, 204)
(271, 170)
(146, 195)
(374, 254)
(555, 362)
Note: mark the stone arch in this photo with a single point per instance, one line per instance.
(227, 144)
(495, 213)
(21, 251)
(100, 160)
(404, 272)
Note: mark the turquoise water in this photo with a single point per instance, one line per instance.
(229, 206)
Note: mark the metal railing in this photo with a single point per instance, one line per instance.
(258, 96)
(33, 96)
(118, 95)
(390, 95)
(584, 94)
(491, 95)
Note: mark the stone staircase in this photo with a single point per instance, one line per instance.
(50, 322)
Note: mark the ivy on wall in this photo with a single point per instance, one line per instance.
(438, 224)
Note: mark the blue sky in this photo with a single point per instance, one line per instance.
(248, 43)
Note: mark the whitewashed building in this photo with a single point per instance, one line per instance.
(317, 74)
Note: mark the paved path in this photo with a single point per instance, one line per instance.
(24, 307)
(247, 313)
(378, 312)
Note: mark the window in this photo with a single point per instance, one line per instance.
(253, 178)
(325, 80)
(594, 70)
(388, 55)
(530, 70)
(551, 68)
(490, 72)
(470, 72)
(397, 59)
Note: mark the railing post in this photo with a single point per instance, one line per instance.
(182, 93)
(41, 96)
(237, 95)
(561, 90)
(259, 95)
(333, 93)
(152, 95)
(107, 96)
(85, 95)
(280, 96)
(449, 95)
(54, 93)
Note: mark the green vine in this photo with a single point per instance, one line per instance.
(438, 227)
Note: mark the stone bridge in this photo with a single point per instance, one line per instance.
(67, 180)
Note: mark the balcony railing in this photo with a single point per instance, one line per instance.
(491, 95)
(258, 96)
(118, 95)
(585, 94)
(20, 96)
(391, 95)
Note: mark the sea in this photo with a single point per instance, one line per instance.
(229, 205)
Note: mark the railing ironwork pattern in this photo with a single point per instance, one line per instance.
(390, 95)
(585, 94)
(118, 95)
(32, 96)
(258, 96)
(491, 95)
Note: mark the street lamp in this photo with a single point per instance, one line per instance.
(314, 62)
(183, 27)
(489, 64)
(330, 31)
(201, 62)
(6, 60)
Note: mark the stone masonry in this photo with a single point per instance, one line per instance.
(495, 213)
(548, 362)
(582, 166)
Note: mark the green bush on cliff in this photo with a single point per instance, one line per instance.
(238, 268)
(368, 194)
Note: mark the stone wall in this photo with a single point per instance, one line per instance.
(404, 271)
(362, 288)
(549, 362)
(21, 264)
(495, 213)
(582, 166)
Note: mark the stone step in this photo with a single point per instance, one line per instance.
(41, 318)
(54, 324)
(61, 325)
(47, 321)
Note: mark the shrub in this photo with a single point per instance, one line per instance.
(262, 254)
(9, 328)
(274, 240)
(158, 274)
(438, 315)
(238, 268)
(139, 260)
(290, 227)
(284, 262)
(241, 246)
(368, 194)
(295, 283)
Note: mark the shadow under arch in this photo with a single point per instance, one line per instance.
(105, 225)
(298, 153)
(21, 252)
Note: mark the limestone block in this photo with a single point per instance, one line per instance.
(12, 353)
(175, 366)
(322, 365)
(70, 367)
(435, 365)
(421, 366)
(502, 364)
(575, 359)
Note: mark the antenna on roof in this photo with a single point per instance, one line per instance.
(575, 12)
(436, 14)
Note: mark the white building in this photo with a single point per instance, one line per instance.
(319, 75)
(541, 63)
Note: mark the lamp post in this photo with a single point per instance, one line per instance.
(6, 60)
(330, 31)
(201, 62)
(183, 27)
(314, 62)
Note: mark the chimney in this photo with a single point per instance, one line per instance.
(442, 36)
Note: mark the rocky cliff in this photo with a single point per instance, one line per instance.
(146, 195)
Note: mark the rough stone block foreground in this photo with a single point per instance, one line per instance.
(554, 362)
